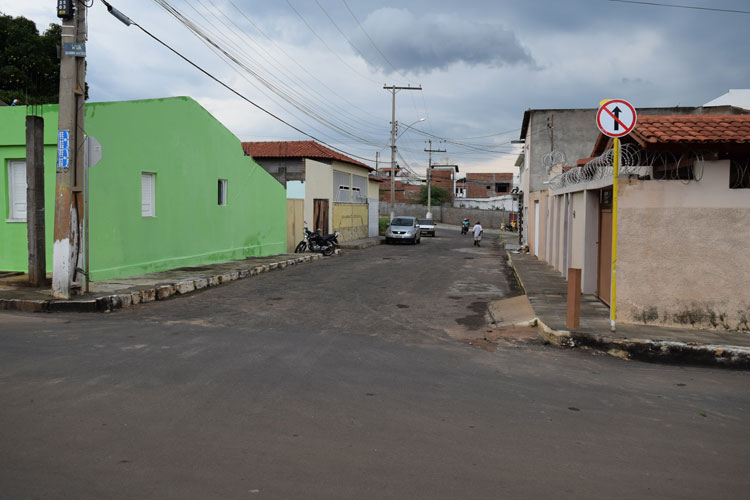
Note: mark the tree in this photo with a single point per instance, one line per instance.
(438, 195)
(29, 65)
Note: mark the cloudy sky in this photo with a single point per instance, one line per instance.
(321, 64)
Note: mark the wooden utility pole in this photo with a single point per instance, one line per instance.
(35, 200)
(394, 89)
(429, 177)
(70, 137)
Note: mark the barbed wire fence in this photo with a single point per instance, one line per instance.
(635, 161)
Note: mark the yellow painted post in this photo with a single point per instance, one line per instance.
(615, 173)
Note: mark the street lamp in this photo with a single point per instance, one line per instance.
(393, 163)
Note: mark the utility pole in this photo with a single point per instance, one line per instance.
(394, 89)
(35, 200)
(377, 162)
(70, 136)
(429, 177)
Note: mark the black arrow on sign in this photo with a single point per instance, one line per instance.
(617, 112)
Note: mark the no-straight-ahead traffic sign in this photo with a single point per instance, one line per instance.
(616, 118)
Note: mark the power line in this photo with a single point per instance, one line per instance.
(297, 102)
(327, 46)
(281, 68)
(656, 4)
(238, 94)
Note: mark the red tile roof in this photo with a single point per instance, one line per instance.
(693, 129)
(297, 149)
(683, 132)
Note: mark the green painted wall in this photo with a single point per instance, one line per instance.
(188, 150)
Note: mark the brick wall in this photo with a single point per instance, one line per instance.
(488, 185)
(403, 193)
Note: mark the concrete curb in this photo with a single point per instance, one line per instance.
(160, 291)
(515, 273)
(665, 351)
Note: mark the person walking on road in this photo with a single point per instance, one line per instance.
(477, 230)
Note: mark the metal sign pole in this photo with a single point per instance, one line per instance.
(615, 174)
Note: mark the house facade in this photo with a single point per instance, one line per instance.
(682, 222)
(172, 189)
(554, 140)
(336, 191)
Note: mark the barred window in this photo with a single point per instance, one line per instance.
(739, 173)
(359, 189)
(341, 187)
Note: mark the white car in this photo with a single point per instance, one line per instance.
(426, 226)
(403, 228)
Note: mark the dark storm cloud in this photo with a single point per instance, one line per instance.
(435, 41)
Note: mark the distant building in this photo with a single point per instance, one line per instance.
(739, 98)
(480, 185)
(325, 189)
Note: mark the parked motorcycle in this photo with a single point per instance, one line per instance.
(323, 243)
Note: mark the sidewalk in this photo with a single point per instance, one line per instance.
(361, 244)
(546, 290)
(107, 295)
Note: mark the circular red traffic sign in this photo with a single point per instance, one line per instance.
(616, 118)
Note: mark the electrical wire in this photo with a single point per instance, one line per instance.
(309, 73)
(280, 88)
(304, 21)
(240, 95)
(291, 97)
(657, 4)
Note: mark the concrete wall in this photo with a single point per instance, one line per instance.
(570, 131)
(682, 251)
(350, 219)
(490, 219)
(506, 203)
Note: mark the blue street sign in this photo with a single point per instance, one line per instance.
(63, 149)
(75, 49)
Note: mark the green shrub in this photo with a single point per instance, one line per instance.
(383, 225)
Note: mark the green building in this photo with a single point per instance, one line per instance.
(173, 189)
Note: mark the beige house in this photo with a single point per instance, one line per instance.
(682, 222)
(326, 190)
(555, 139)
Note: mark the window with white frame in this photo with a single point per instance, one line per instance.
(17, 190)
(222, 192)
(148, 196)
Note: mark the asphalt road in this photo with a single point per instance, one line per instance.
(357, 377)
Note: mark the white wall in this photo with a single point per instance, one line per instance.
(505, 202)
(319, 180)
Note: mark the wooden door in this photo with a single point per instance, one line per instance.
(320, 215)
(604, 281)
